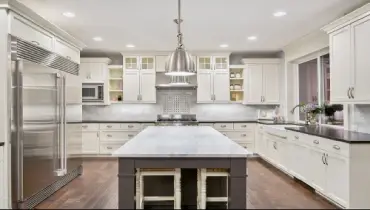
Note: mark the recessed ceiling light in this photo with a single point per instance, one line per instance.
(98, 39)
(130, 46)
(279, 14)
(224, 45)
(69, 14)
(252, 38)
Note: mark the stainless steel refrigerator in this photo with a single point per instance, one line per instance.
(41, 131)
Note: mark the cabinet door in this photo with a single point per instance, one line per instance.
(317, 169)
(204, 90)
(131, 86)
(282, 153)
(90, 142)
(160, 63)
(361, 49)
(271, 83)
(66, 50)
(147, 63)
(204, 63)
(3, 184)
(98, 71)
(147, 87)
(73, 89)
(299, 157)
(220, 63)
(337, 179)
(340, 62)
(254, 83)
(131, 63)
(84, 73)
(221, 87)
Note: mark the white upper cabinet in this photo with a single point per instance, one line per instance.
(349, 57)
(213, 79)
(94, 69)
(361, 52)
(160, 63)
(131, 87)
(66, 50)
(147, 87)
(27, 31)
(139, 79)
(261, 81)
(340, 65)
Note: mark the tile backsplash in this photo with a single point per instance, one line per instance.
(148, 112)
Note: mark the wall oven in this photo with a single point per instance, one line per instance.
(93, 92)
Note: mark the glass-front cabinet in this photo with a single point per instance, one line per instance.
(213, 63)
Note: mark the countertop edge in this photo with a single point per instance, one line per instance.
(178, 156)
(329, 137)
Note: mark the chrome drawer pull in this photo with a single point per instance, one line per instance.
(109, 126)
(35, 42)
(244, 135)
(130, 135)
(68, 57)
(224, 134)
(130, 126)
(336, 147)
(84, 126)
(296, 137)
(223, 126)
(244, 126)
(316, 142)
(109, 135)
(109, 148)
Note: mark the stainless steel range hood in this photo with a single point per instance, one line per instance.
(178, 82)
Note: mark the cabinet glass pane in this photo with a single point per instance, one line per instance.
(204, 63)
(131, 63)
(221, 63)
(147, 63)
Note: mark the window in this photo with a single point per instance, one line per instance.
(314, 87)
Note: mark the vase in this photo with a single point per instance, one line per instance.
(311, 119)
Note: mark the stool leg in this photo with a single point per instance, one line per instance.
(138, 197)
(203, 188)
(177, 184)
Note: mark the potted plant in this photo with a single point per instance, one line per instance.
(329, 111)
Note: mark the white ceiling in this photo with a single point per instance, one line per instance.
(148, 24)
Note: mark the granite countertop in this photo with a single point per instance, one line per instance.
(2, 144)
(342, 135)
(186, 141)
(228, 121)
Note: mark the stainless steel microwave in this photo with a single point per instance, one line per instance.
(92, 92)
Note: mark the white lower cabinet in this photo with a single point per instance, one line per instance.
(3, 204)
(339, 171)
(90, 142)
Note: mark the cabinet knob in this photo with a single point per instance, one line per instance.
(316, 142)
(336, 147)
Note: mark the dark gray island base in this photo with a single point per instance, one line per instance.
(237, 178)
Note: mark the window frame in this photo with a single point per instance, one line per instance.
(321, 98)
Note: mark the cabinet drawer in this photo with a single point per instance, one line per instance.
(244, 126)
(332, 146)
(109, 148)
(112, 126)
(90, 127)
(117, 135)
(224, 126)
(67, 51)
(130, 126)
(242, 136)
(27, 31)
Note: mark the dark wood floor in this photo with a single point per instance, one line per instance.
(267, 188)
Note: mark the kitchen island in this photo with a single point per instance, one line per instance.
(182, 147)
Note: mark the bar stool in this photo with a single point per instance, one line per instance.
(140, 198)
(202, 198)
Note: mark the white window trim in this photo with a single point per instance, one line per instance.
(316, 55)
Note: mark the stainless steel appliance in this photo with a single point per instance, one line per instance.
(41, 161)
(93, 92)
(176, 120)
(177, 82)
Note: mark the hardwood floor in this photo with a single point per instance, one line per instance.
(267, 188)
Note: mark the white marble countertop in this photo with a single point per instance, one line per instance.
(180, 141)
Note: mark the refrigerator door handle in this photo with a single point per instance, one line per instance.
(61, 137)
(64, 125)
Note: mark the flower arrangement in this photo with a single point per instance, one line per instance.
(311, 110)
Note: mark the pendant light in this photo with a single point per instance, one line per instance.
(180, 62)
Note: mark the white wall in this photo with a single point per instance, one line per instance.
(305, 46)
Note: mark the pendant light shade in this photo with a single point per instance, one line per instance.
(180, 62)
